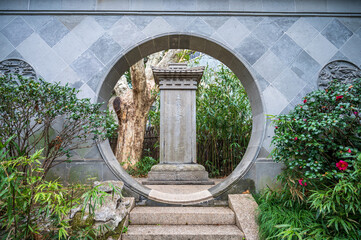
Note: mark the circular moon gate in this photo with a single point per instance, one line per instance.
(231, 60)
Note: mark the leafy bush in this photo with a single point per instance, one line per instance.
(32, 208)
(320, 145)
(142, 167)
(29, 108)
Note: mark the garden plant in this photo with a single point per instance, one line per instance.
(30, 206)
(319, 143)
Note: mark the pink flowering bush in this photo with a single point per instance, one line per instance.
(319, 143)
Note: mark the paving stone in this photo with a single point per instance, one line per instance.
(215, 21)
(107, 21)
(53, 32)
(199, 26)
(182, 216)
(70, 47)
(37, 21)
(183, 232)
(262, 83)
(251, 49)
(17, 31)
(245, 208)
(337, 33)
(302, 32)
(5, 46)
(125, 27)
(269, 66)
(268, 32)
(352, 50)
(70, 21)
(250, 22)
(305, 66)
(321, 49)
(286, 49)
(289, 84)
(358, 33)
(105, 49)
(233, 31)
(157, 26)
(86, 66)
(88, 31)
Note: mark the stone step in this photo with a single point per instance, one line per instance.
(182, 216)
(183, 232)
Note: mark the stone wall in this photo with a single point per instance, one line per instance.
(277, 52)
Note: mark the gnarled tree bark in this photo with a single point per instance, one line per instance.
(132, 105)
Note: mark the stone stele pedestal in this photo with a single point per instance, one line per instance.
(178, 85)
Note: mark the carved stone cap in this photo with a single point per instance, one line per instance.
(177, 76)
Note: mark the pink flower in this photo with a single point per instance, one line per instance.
(349, 150)
(304, 101)
(301, 182)
(355, 113)
(304, 119)
(342, 165)
(296, 138)
(339, 97)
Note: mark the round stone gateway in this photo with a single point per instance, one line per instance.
(344, 71)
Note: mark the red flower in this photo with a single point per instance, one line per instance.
(339, 97)
(342, 165)
(295, 139)
(276, 127)
(301, 182)
(304, 101)
(349, 150)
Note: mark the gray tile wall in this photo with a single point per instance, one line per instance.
(284, 54)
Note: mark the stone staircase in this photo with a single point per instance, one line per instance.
(182, 223)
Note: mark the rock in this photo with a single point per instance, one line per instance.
(112, 212)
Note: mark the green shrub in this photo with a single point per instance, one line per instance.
(29, 108)
(142, 167)
(319, 143)
(33, 208)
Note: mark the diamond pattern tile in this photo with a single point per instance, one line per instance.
(233, 32)
(337, 33)
(17, 31)
(268, 32)
(53, 32)
(105, 49)
(157, 26)
(286, 49)
(302, 32)
(251, 49)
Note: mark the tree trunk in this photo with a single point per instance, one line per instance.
(132, 105)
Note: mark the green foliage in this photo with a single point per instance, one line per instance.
(142, 167)
(320, 146)
(29, 108)
(32, 207)
(224, 121)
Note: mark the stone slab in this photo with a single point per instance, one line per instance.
(182, 216)
(245, 207)
(209, 182)
(183, 232)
